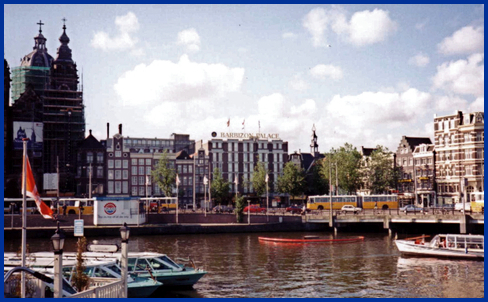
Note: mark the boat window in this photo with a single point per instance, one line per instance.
(89, 271)
(67, 272)
(115, 268)
(131, 263)
(166, 259)
(156, 263)
(141, 265)
(99, 272)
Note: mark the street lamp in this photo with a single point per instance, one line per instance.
(58, 243)
(124, 234)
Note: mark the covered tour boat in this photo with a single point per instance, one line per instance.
(445, 245)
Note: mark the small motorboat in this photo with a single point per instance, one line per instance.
(311, 239)
(144, 265)
(444, 245)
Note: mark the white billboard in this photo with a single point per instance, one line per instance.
(30, 130)
(50, 181)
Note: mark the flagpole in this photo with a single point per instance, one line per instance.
(177, 181)
(267, 199)
(24, 217)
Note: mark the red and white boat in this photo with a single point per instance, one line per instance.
(445, 245)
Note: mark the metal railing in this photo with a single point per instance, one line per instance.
(100, 288)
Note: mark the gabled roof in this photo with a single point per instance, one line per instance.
(90, 142)
(415, 141)
(367, 151)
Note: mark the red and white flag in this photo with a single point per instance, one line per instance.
(243, 122)
(31, 191)
(228, 123)
(177, 180)
(266, 179)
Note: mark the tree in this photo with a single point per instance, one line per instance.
(259, 179)
(292, 181)
(164, 175)
(349, 173)
(317, 185)
(220, 187)
(380, 174)
(240, 205)
(80, 279)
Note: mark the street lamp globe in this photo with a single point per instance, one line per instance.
(58, 241)
(124, 233)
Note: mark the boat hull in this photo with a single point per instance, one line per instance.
(185, 278)
(305, 240)
(409, 248)
(142, 288)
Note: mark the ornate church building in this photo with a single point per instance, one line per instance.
(47, 107)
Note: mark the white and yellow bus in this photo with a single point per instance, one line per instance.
(160, 204)
(478, 202)
(73, 206)
(380, 202)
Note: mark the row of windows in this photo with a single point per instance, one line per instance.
(218, 157)
(233, 146)
(142, 142)
(84, 172)
(118, 164)
(118, 174)
(89, 157)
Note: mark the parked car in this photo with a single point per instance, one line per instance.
(294, 209)
(254, 209)
(351, 209)
(223, 209)
(412, 208)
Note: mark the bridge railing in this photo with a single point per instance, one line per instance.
(103, 288)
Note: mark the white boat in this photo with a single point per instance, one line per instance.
(445, 245)
(145, 265)
(137, 287)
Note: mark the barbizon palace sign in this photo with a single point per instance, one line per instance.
(247, 135)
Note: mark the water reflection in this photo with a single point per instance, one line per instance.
(239, 265)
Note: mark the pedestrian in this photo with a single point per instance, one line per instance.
(304, 209)
(81, 209)
(65, 207)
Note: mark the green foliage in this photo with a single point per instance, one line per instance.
(379, 172)
(80, 280)
(317, 185)
(240, 205)
(292, 181)
(259, 179)
(349, 174)
(220, 187)
(164, 175)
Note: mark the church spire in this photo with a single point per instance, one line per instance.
(64, 52)
(314, 146)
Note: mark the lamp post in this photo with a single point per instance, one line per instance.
(124, 234)
(58, 243)
(90, 182)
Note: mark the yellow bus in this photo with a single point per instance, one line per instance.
(73, 206)
(160, 204)
(17, 205)
(322, 202)
(478, 202)
(381, 202)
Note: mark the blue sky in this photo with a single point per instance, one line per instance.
(363, 74)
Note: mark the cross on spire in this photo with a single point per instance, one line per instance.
(40, 24)
(64, 22)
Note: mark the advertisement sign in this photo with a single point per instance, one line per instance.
(30, 130)
(50, 181)
(117, 211)
(78, 231)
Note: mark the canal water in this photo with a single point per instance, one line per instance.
(239, 265)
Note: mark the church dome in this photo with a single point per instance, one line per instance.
(39, 56)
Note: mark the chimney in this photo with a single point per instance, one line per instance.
(108, 132)
(90, 132)
(120, 129)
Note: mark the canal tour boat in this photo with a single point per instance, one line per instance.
(137, 287)
(145, 265)
(445, 245)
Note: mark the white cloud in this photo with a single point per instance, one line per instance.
(298, 83)
(421, 25)
(419, 60)
(322, 72)
(450, 103)
(163, 81)
(478, 105)
(365, 27)
(190, 39)
(462, 76)
(127, 25)
(368, 27)
(467, 40)
(289, 35)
